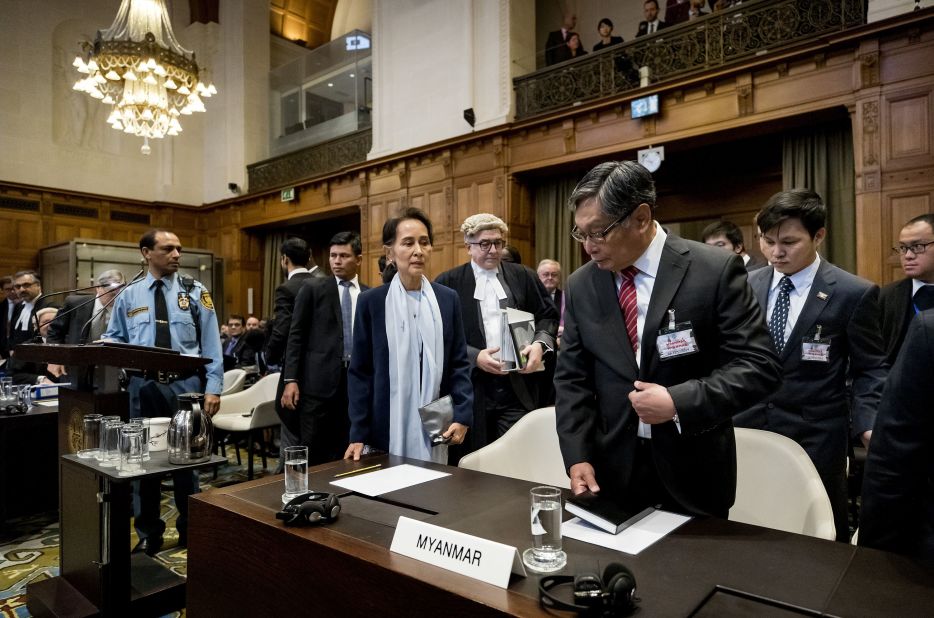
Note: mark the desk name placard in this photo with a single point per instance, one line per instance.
(466, 554)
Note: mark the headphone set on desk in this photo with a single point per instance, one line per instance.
(614, 595)
(310, 508)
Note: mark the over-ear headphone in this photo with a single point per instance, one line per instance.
(310, 508)
(614, 595)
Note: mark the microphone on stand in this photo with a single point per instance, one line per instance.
(136, 279)
(35, 307)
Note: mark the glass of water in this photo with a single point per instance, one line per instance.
(91, 437)
(545, 555)
(296, 472)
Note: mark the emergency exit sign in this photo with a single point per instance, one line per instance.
(288, 194)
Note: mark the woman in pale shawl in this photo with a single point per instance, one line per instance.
(408, 351)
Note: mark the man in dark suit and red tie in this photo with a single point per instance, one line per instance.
(824, 325)
(902, 300)
(663, 342)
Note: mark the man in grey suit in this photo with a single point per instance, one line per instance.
(663, 343)
(824, 324)
(85, 317)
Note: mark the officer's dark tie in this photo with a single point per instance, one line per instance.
(924, 298)
(780, 313)
(163, 334)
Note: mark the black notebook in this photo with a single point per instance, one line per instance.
(603, 512)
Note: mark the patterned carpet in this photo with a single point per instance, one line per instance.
(29, 546)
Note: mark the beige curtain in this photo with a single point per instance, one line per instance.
(272, 272)
(553, 223)
(822, 160)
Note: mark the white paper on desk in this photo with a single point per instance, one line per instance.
(633, 539)
(389, 479)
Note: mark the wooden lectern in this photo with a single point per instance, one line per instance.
(82, 397)
(98, 574)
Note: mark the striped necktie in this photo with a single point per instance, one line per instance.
(628, 302)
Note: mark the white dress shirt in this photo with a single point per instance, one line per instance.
(354, 293)
(295, 271)
(648, 264)
(802, 281)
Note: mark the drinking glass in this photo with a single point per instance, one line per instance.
(142, 422)
(131, 450)
(545, 555)
(296, 472)
(6, 387)
(104, 420)
(91, 437)
(110, 445)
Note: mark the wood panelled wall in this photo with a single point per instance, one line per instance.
(882, 75)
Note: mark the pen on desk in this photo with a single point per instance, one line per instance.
(337, 476)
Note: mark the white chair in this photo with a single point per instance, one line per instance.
(777, 486)
(237, 412)
(233, 381)
(528, 451)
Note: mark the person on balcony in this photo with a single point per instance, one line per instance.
(605, 30)
(652, 23)
(556, 48)
(575, 47)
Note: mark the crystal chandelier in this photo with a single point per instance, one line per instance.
(139, 68)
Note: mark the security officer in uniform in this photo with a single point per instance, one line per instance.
(167, 310)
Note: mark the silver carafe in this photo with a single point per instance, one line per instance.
(191, 431)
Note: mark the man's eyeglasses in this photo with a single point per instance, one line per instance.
(485, 245)
(917, 248)
(22, 286)
(581, 237)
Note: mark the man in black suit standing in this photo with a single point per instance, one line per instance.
(74, 322)
(663, 343)
(900, 301)
(652, 23)
(486, 285)
(6, 310)
(824, 325)
(317, 356)
(897, 511)
(727, 235)
(294, 259)
(556, 49)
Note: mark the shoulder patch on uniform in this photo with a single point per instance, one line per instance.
(206, 301)
(131, 312)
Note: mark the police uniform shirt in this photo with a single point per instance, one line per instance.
(133, 320)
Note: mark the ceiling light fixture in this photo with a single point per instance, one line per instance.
(138, 67)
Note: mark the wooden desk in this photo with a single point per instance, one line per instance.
(242, 561)
(28, 468)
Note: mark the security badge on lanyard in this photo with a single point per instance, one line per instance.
(816, 349)
(676, 340)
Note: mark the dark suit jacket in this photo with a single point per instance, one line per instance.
(316, 338)
(677, 12)
(614, 40)
(524, 291)
(75, 313)
(278, 328)
(897, 511)
(812, 406)
(556, 49)
(368, 377)
(20, 336)
(734, 367)
(4, 342)
(897, 312)
(644, 27)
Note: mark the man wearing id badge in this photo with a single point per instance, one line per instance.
(824, 325)
(663, 343)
